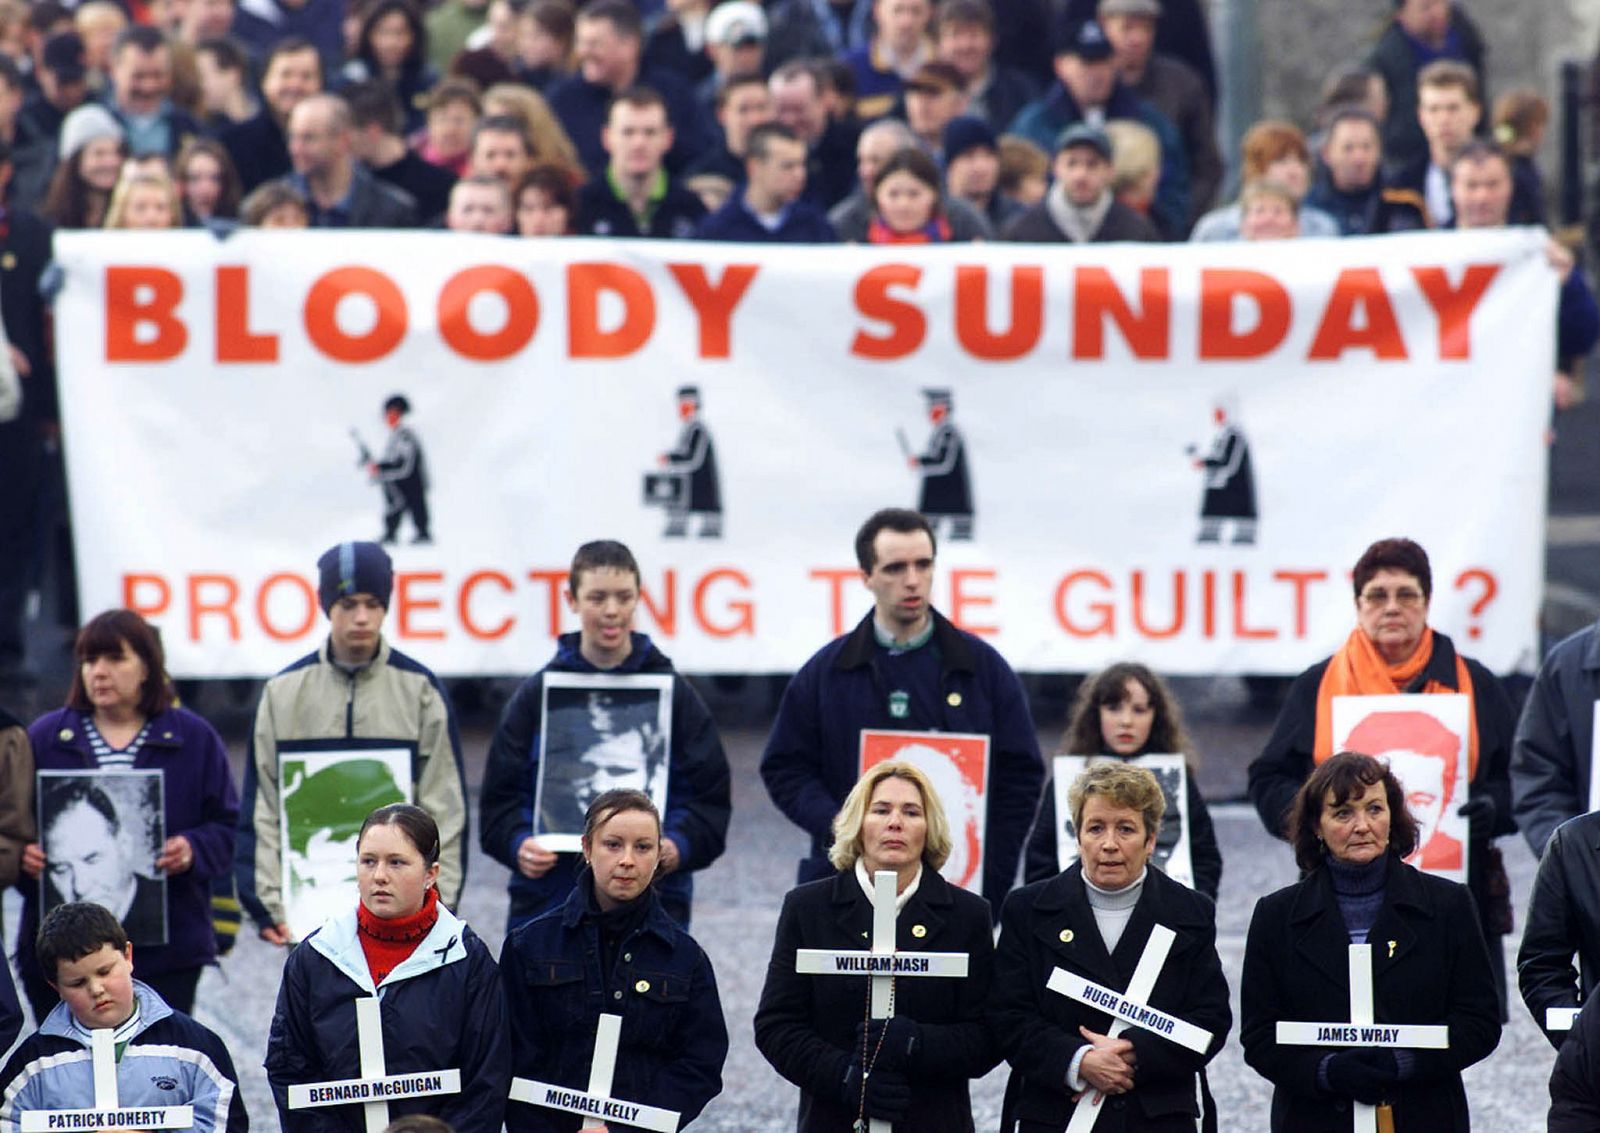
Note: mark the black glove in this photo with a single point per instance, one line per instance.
(888, 1093)
(902, 1036)
(1365, 1075)
(1480, 812)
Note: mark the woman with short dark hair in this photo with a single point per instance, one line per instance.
(121, 714)
(1350, 829)
(1095, 920)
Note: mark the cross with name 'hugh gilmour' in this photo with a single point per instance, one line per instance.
(881, 963)
(1130, 1008)
(376, 1088)
(1361, 1031)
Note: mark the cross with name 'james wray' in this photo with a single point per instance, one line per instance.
(376, 1087)
(1130, 1008)
(107, 1114)
(1362, 1031)
(881, 963)
(596, 1101)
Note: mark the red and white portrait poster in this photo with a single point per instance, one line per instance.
(958, 767)
(1423, 739)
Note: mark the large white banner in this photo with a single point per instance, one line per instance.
(1168, 453)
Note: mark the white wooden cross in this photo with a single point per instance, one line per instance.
(376, 1087)
(881, 963)
(1361, 1031)
(596, 1101)
(1130, 1008)
(1561, 1018)
(107, 1114)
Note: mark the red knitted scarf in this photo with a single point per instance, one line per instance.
(387, 941)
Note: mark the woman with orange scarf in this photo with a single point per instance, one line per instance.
(1393, 650)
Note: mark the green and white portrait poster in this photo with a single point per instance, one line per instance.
(326, 789)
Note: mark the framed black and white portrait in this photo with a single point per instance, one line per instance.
(102, 832)
(598, 732)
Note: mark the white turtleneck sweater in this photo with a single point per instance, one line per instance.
(1112, 909)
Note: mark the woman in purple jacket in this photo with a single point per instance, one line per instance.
(121, 717)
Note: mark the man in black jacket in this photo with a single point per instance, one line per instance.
(376, 139)
(634, 196)
(1563, 922)
(339, 190)
(292, 73)
(1079, 207)
(1351, 186)
(26, 440)
(1422, 32)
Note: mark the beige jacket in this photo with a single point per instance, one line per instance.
(394, 697)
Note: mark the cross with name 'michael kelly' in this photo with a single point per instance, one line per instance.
(1363, 1031)
(596, 1102)
(106, 1114)
(376, 1087)
(880, 963)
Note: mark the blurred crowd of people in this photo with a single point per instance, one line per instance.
(869, 121)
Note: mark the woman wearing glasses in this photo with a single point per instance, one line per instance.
(1393, 650)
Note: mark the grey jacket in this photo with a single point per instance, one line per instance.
(1550, 755)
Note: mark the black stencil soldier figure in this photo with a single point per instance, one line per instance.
(946, 495)
(694, 463)
(403, 473)
(1230, 483)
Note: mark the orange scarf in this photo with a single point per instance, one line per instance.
(1358, 669)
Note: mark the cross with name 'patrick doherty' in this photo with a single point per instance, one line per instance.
(1362, 1031)
(881, 963)
(106, 1114)
(1130, 1008)
(596, 1102)
(376, 1087)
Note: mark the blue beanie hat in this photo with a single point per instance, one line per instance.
(967, 133)
(354, 568)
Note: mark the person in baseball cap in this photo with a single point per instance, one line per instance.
(1079, 207)
(736, 36)
(1088, 90)
(934, 94)
(63, 75)
(1169, 84)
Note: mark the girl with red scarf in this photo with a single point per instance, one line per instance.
(440, 1001)
(908, 201)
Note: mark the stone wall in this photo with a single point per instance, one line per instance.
(1303, 40)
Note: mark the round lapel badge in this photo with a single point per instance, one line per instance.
(953, 700)
(919, 931)
(642, 986)
(1066, 936)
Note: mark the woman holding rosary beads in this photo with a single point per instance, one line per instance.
(911, 1069)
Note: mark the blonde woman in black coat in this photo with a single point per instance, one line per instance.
(1350, 829)
(912, 1069)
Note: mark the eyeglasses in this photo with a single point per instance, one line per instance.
(1377, 598)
